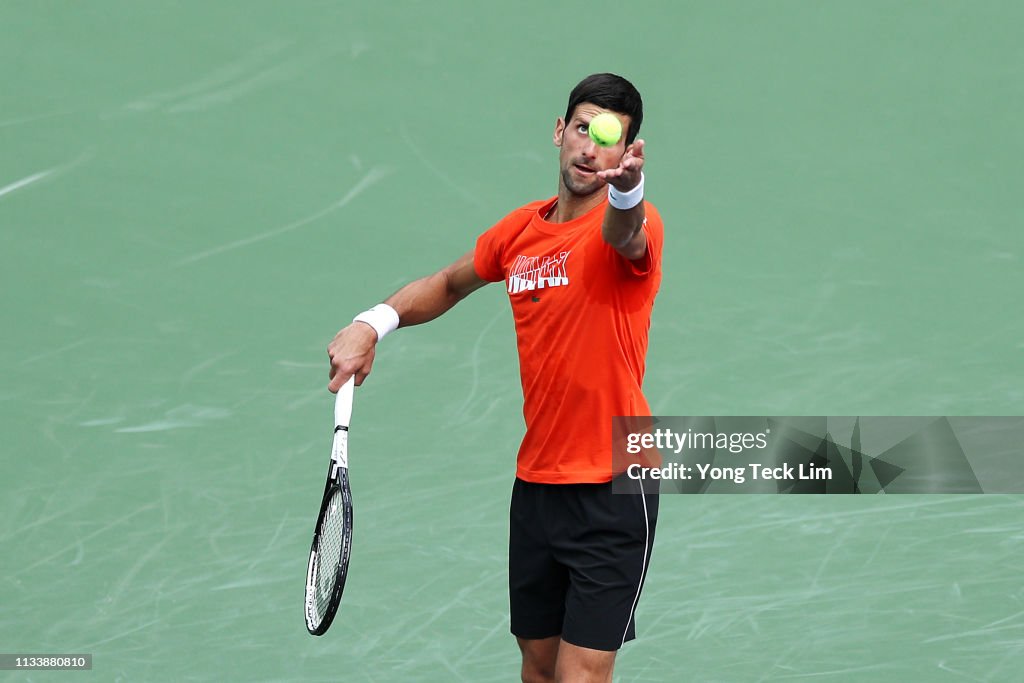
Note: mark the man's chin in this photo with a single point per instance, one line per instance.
(581, 189)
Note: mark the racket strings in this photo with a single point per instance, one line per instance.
(330, 547)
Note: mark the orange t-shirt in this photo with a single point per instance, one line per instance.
(582, 313)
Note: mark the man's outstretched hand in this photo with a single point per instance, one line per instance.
(626, 175)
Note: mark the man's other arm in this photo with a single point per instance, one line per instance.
(351, 352)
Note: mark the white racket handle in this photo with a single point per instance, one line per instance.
(343, 404)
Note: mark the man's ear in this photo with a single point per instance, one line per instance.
(559, 131)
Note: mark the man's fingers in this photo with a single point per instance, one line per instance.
(634, 153)
(350, 354)
(332, 362)
(339, 374)
(339, 377)
(338, 381)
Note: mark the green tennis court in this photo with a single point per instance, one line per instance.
(195, 196)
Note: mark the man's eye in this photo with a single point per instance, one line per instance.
(583, 128)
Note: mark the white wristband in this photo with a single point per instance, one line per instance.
(626, 200)
(381, 318)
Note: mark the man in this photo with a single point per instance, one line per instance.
(582, 270)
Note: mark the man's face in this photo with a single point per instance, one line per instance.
(579, 157)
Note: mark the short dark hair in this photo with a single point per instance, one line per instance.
(609, 91)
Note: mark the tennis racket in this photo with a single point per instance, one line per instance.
(332, 538)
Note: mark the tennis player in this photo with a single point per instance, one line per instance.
(581, 270)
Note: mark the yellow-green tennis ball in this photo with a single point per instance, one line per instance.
(605, 129)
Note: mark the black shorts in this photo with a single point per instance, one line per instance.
(578, 555)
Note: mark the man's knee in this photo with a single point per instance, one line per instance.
(539, 657)
(577, 664)
(533, 674)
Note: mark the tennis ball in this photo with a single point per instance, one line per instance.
(605, 129)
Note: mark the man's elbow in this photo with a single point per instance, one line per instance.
(633, 250)
(462, 281)
(632, 247)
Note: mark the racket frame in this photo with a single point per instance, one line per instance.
(337, 480)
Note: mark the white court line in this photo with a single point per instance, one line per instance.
(374, 176)
(35, 177)
(18, 184)
(297, 364)
(57, 352)
(32, 119)
(214, 79)
(122, 634)
(191, 373)
(88, 537)
(474, 360)
(274, 74)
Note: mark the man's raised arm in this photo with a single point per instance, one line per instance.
(352, 350)
(625, 215)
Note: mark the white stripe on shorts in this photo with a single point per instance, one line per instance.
(643, 568)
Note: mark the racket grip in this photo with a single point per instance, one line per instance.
(343, 403)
